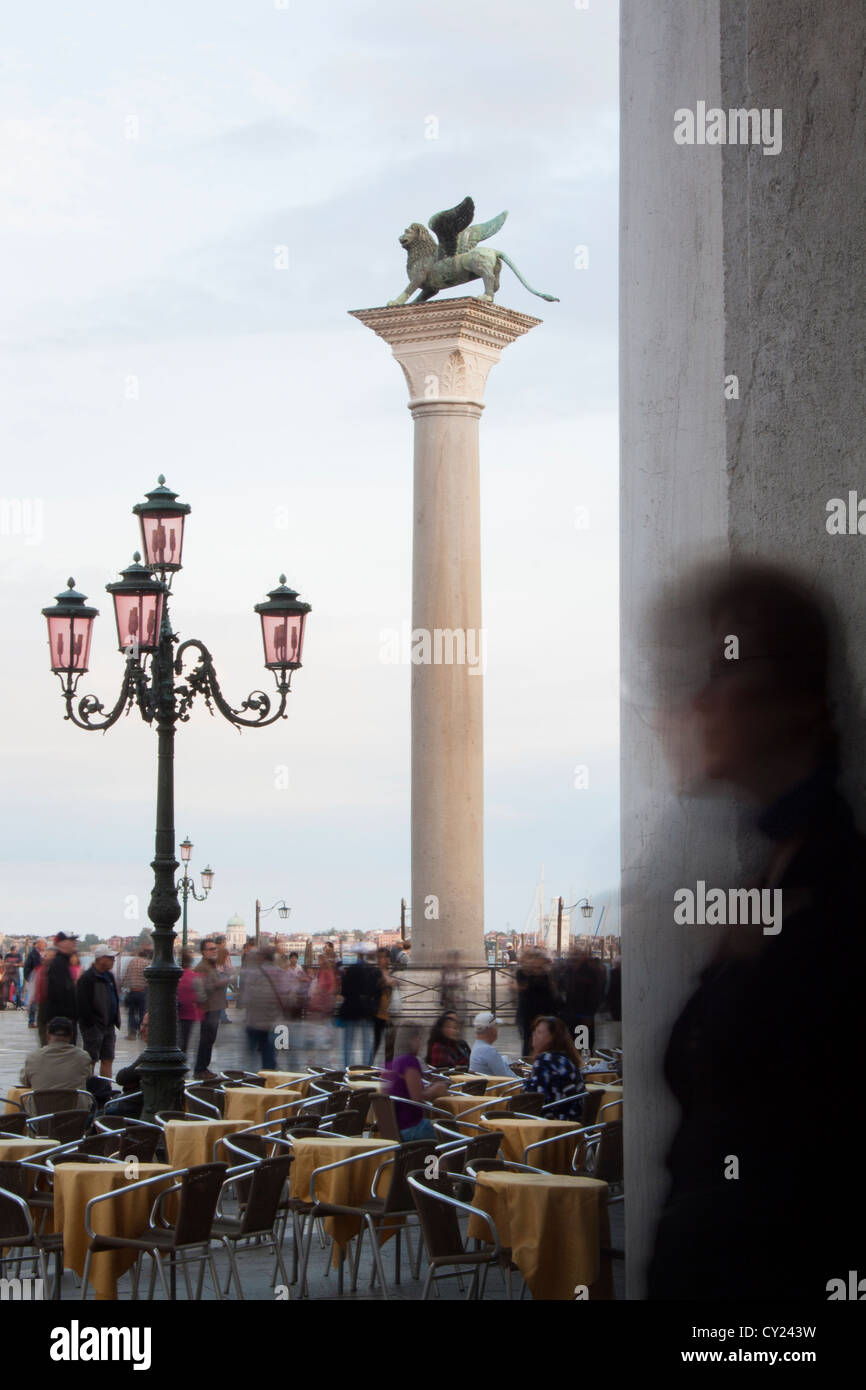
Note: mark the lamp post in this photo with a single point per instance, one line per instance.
(186, 885)
(586, 908)
(155, 680)
(263, 912)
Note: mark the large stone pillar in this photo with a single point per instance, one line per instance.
(742, 367)
(446, 351)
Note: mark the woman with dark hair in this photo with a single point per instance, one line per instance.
(556, 1067)
(445, 1047)
(760, 722)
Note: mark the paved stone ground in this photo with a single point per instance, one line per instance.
(257, 1267)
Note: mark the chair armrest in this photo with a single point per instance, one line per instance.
(465, 1207)
(554, 1139)
(121, 1191)
(344, 1163)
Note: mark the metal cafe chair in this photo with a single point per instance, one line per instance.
(438, 1213)
(205, 1101)
(188, 1237)
(18, 1234)
(536, 1149)
(14, 1124)
(262, 1182)
(319, 1209)
(38, 1104)
(389, 1215)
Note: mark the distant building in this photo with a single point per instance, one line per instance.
(236, 933)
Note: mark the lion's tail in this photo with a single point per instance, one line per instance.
(551, 298)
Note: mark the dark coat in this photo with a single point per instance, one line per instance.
(98, 1004)
(59, 1000)
(766, 1048)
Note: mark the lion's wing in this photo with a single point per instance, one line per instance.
(448, 226)
(480, 232)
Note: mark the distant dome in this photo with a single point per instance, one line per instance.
(235, 921)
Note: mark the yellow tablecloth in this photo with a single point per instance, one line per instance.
(251, 1103)
(363, 1085)
(14, 1093)
(11, 1150)
(300, 1079)
(74, 1186)
(495, 1084)
(189, 1142)
(457, 1105)
(599, 1077)
(612, 1095)
(553, 1225)
(518, 1134)
(346, 1186)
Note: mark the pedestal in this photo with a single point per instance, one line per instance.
(446, 351)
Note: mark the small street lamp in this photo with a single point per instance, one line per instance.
(155, 680)
(186, 885)
(263, 912)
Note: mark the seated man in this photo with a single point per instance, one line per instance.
(484, 1057)
(60, 1065)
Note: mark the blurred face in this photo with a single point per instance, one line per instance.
(104, 964)
(66, 947)
(210, 951)
(542, 1037)
(450, 1027)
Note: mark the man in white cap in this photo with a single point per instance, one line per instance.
(484, 1057)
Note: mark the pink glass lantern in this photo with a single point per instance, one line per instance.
(70, 627)
(161, 519)
(284, 618)
(138, 600)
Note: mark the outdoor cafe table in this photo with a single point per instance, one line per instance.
(74, 1186)
(554, 1226)
(190, 1142)
(13, 1093)
(456, 1105)
(348, 1186)
(518, 1134)
(495, 1084)
(300, 1079)
(11, 1150)
(612, 1094)
(251, 1103)
(363, 1085)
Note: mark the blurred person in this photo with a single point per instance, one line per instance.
(484, 1057)
(11, 979)
(382, 1025)
(226, 969)
(360, 989)
(401, 956)
(556, 1067)
(451, 985)
(762, 725)
(58, 999)
(404, 1080)
(267, 996)
(38, 992)
(211, 997)
(59, 1065)
(534, 992)
(134, 988)
(99, 1011)
(445, 1047)
(31, 964)
(189, 1010)
(580, 980)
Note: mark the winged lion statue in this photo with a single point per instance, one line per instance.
(455, 256)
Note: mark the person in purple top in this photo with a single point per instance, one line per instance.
(404, 1079)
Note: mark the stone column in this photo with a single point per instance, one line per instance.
(742, 363)
(446, 351)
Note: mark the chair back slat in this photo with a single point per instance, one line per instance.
(200, 1188)
(266, 1183)
(439, 1221)
(386, 1118)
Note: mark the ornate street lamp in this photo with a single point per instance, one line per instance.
(186, 885)
(263, 912)
(156, 681)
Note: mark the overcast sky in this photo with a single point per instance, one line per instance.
(152, 157)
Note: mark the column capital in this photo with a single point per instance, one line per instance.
(446, 349)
